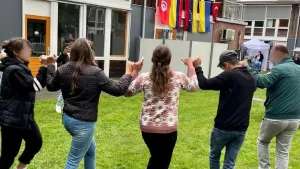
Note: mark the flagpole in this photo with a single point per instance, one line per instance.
(144, 19)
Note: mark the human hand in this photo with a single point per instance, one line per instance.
(51, 59)
(244, 63)
(197, 61)
(187, 61)
(2, 56)
(138, 66)
(43, 60)
(129, 67)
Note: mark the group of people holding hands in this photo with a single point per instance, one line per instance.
(81, 82)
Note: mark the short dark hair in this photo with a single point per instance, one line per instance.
(14, 45)
(282, 49)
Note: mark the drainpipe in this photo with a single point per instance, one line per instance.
(296, 31)
(144, 19)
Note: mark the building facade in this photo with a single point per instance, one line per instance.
(268, 22)
(114, 26)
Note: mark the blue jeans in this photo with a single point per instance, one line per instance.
(83, 143)
(232, 140)
(60, 100)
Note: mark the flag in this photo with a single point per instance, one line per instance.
(172, 15)
(164, 9)
(190, 15)
(195, 16)
(215, 10)
(204, 16)
(187, 13)
(179, 14)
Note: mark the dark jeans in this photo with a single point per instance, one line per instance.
(232, 140)
(161, 148)
(11, 142)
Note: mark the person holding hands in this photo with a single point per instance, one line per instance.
(236, 86)
(17, 101)
(81, 82)
(159, 115)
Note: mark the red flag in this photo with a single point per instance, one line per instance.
(215, 8)
(164, 10)
(187, 15)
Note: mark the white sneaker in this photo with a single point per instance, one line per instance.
(17, 168)
(58, 109)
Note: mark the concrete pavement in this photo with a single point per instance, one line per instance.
(44, 94)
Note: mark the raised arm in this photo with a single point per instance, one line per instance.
(266, 80)
(190, 83)
(135, 86)
(216, 83)
(112, 87)
(116, 88)
(22, 81)
(52, 79)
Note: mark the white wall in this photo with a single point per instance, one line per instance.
(180, 49)
(203, 50)
(218, 49)
(37, 7)
(116, 4)
(146, 50)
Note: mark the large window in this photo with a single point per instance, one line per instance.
(68, 23)
(150, 3)
(248, 29)
(118, 33)
(269, 28)
(283, 28)
(258, 28)
(95, 28)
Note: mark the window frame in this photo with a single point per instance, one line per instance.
(126, 33)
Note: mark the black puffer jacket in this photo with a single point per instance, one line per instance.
(17, 95)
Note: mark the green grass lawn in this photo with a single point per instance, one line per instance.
(119, 141)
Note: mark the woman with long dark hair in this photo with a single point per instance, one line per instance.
(81, 83)
(159, 116)
(17, 100)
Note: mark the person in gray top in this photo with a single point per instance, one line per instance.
(81, 83)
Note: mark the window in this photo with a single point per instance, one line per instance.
(283, 23)
(117, 68)
(248, 28)
(258, 28)
(249, 23)
(118, 33)
(95, 28)
(68, 23)
(258, 32)
(270, 32)
(180, 34)
(248, 31)
(282, 33)
(150, 3)
(259, 24)
(271, 23)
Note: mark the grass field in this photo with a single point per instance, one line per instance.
(119, 141)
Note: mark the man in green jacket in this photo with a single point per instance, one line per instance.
(282, 115)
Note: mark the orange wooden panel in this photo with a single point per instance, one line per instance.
(34, 65)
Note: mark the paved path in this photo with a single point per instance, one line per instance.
(44, 94)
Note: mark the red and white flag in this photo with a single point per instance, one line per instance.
(215, 8)
(164, 10)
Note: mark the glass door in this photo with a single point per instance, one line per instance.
(37, 31)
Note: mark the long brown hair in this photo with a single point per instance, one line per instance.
(160, 74)
(82, 54)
